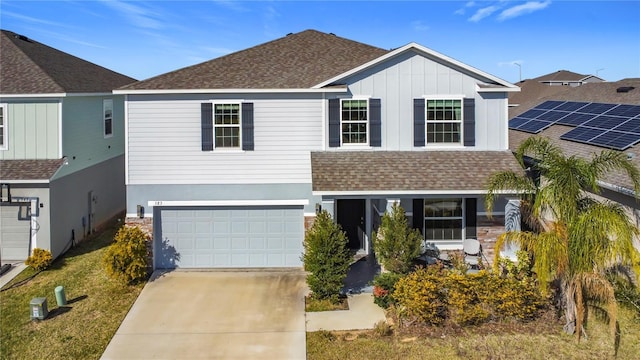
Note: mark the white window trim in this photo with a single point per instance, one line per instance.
(4, 129)
(461, 121)
(368, 122)
(107, 104)
(463, 208)
(226, 148)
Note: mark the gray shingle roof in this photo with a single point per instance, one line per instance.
(296, 61)
(561, 75)
(407, 170)
(29, 169)
(29, 67)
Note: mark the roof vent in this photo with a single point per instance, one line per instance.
(289, 34)
(22, 37)
(624, 89)
(631, 156)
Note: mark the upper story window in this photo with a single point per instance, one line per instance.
(354, 121)
(226, 125)
(3, 126)
(107, 111)
(444, 121)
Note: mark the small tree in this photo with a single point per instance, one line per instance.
(397, 245)
(126, 259)
(326, 258)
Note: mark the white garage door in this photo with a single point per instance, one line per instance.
(229, 237)
(14, 234)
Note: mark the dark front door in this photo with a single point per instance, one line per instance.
(350, 216)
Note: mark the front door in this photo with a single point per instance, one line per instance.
(350, 216)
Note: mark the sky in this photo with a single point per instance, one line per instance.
(512, 40)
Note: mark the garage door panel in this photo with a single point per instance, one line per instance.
(14, 234)
(233, 237)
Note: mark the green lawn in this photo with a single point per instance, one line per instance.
(80, 330)
(540, 341)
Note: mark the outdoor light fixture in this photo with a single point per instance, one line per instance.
(318, 208)
(6, 193)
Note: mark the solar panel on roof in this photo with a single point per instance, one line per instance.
(625, 110)
(575, 119)
(581, 134)
(532, 114)
(630, 126)
(571, 106)
(517, 121)
(552, 115)
(605, 122)
(534, 126)
(605, 138)
(549, 105)
(625, 141)
(596, 108)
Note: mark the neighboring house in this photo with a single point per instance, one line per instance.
(586, 120)
(228, 161)
(567, 78)
(61, 147)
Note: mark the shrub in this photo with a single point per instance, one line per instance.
(421, 295)
(40, 259)
(382, 328)
(326, 257)
(465, 297)
(397, 245)
(126, 259)
(383, 286)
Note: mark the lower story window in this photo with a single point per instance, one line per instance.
(442, 219)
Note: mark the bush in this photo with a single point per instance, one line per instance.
(40, 259)
(126, 259)
(421, 295)
(434, 297)
(326, 257)
(397, 245)
(383, 286)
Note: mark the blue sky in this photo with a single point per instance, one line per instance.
(147, 38)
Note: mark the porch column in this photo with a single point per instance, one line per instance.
(330, 206)
(390, 203)
(368, 226)
(512, 219)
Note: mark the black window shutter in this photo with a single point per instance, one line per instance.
(469, 126)
(419, 117)
(247, 126)
(471, 214)
(206, 118)
(375, 123)
(418, 214)
(334, 122)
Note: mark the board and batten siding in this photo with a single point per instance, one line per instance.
(164, 142)
(32, 130)
(410, 76)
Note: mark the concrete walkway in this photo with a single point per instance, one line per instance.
(16, 268)
(362, 314)
(215, 315)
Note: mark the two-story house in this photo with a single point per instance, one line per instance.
(61, 147)
(228, 160)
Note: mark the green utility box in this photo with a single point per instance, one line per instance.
(39, 309)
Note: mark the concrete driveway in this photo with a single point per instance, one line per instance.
(215, 315)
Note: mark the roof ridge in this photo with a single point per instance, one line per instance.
(26, 56)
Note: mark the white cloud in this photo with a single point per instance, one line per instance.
(523, 9)
(217, 50)
(32, 19)
(137, 15)
(462, 10)
(510, 63)
(483, 13)
(419, 26)
(231, 5)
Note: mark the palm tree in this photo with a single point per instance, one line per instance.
(575, 238)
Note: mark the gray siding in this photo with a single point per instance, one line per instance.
(83, 138)
(164, 144)
(410, 75)
(70, 200)
(33, 130)
(41, 224)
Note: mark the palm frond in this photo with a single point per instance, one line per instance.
(609, 160)
(509, 181)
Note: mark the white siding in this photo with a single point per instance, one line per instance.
(164, 143)
(410, 76)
